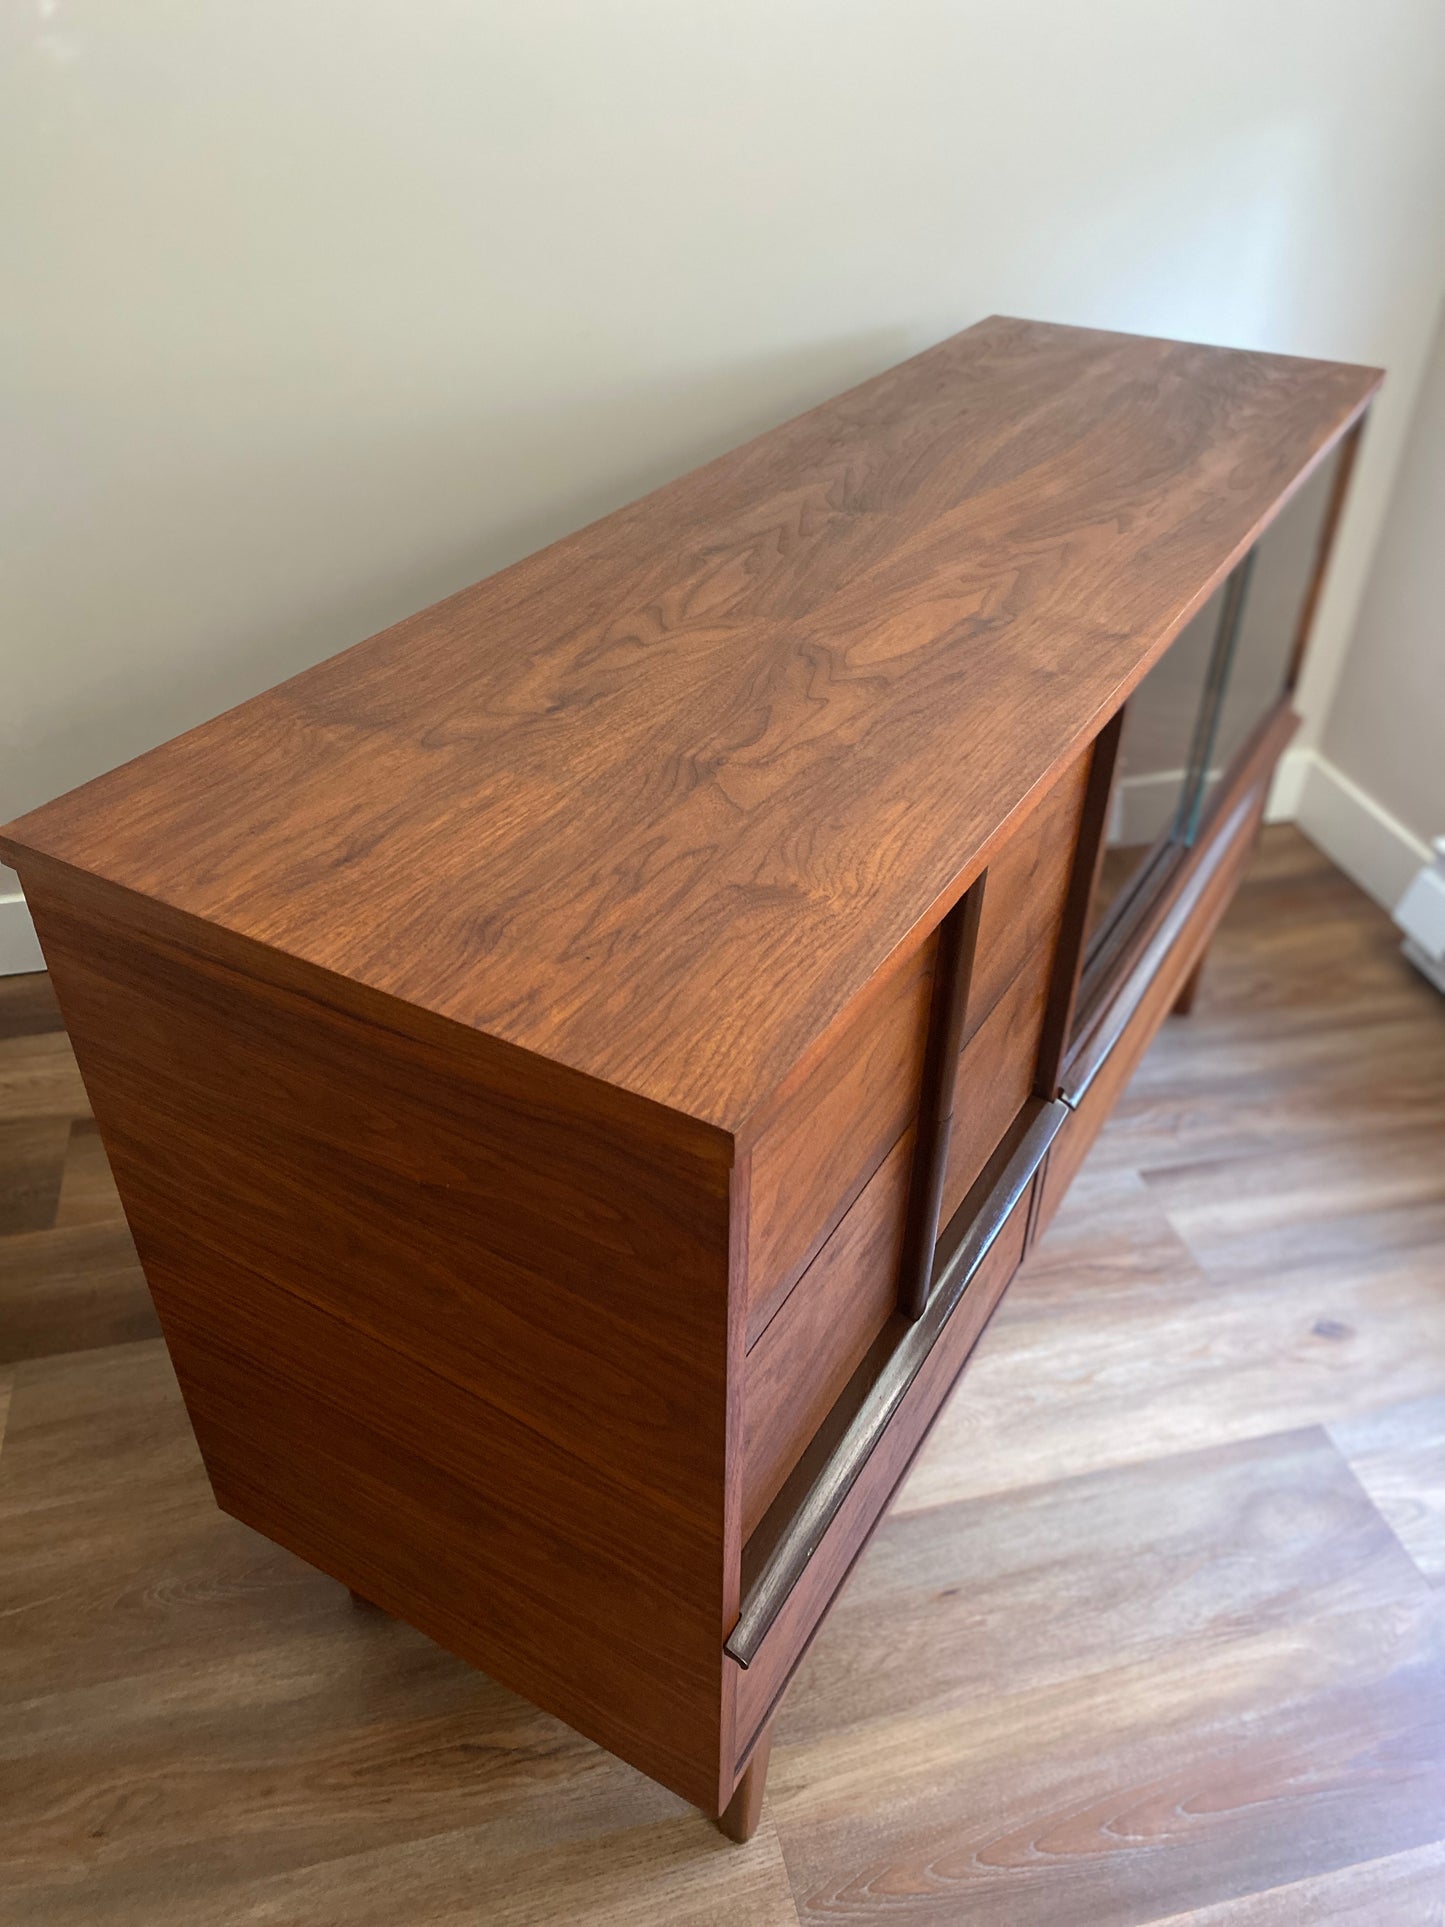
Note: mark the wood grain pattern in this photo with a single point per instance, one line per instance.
(997, 1070)
(1090, 856)
(1187, 1723)
(1027, 883)
(1400, 1890)
(1135, 1540)
(1184, 1000)
(758, 1688)
(28, 1007)
(87, 1192)
(499, 1030)
(1245, 1251)
(832, 1131)
(1397, 1452)
(366, 1774)
(657, 803)
(32, 1157)
(823, 1333)
(68, 1288)
(739, 1819)
(39, 1079)
(811, 1349)
(953, 959)
(507, 1425)
(1143, 1681)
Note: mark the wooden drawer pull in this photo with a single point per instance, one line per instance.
(789, 1558)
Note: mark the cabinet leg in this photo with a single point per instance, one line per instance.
(1184, 1002)
(739, 1818)
(360, 1599)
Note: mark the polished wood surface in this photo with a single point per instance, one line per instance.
(954, 957)
(806, 1356)
(995, 951)
(832, 1130)
(509, 1086)
(1027, 886)
(759, 1688)
(997, 1070)
(1183, 1004)
(1155, 1634)
(457, 1339)
(1090, 854)
(657, 803)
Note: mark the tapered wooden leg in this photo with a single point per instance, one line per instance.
(1184, 1002)
(739, 1819)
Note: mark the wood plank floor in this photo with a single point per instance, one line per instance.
(1156, 1632)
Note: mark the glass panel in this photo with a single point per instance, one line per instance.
(1281, 569)
(1153, 786)
(1190, 719)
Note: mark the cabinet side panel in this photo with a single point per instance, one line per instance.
(451, 1323)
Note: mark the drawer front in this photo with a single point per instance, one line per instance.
(828, 1202)
(759, 1684)
(1019, 933)
(833, 1129)
(1023, 900)
(831, 1133)
(996, 1070)
(812, 1347)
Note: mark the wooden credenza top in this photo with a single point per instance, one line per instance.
(656, 802)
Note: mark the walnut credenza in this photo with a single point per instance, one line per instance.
(582, 1066)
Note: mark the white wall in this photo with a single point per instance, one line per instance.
(315, 312)
(1374, 794)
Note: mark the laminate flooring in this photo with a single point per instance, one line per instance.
(1155, 1633)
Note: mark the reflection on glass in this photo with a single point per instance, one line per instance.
(1282, 566)
(1152, 790)
(1194, 713)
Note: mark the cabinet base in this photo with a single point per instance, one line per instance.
(1184, 1002)
(739, 1818)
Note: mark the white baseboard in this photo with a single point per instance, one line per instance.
(1142, 807)
(1369, 844)
(19, 945)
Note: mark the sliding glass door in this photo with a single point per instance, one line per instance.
(1193, 715)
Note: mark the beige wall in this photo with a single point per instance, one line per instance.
(315, 312)
(1386, 728)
